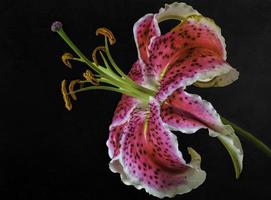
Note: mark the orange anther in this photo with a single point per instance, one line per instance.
(65, 59)
(90, 77)
(107, 33)
(71, 88)
(65, 95)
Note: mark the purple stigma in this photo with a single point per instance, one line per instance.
(56, 26)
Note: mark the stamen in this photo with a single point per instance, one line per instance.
(107, 33)
(65, 59)
(65, 95)
(71, 88)
(99, 48)
(90, 77)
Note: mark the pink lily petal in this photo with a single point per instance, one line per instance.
(149, 157)
(123, 111)
(197, 64)
(193, 32)
(189, 112)
(144, 29)
(176, 113)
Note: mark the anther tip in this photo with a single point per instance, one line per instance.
(56, 26)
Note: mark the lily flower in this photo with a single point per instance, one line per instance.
(142, 148)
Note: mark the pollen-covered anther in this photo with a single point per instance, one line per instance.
(90, 77)
(65, 59)
(94, 57)
(71, 88)
(107, 33)
(65, 95)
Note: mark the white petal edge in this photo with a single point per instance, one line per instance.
(175, 10)
(219, 81)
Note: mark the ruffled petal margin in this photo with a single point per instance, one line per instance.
(176, 10)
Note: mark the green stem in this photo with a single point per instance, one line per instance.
(254, 140)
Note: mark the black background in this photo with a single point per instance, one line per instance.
(47, 152)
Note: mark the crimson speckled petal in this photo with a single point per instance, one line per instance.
(175, 114)
(194, 32)
(149, 157)
(144, 29)
(189, 112)
(197, 64)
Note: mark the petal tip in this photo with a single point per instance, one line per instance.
(175, 10)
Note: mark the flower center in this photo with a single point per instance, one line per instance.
(97, 77)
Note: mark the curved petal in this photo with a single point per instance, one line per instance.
(234, 148)
(189, 112)
(149, 157)
(175, 112)
(197, 64)
(144, 29)
(193, 32)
